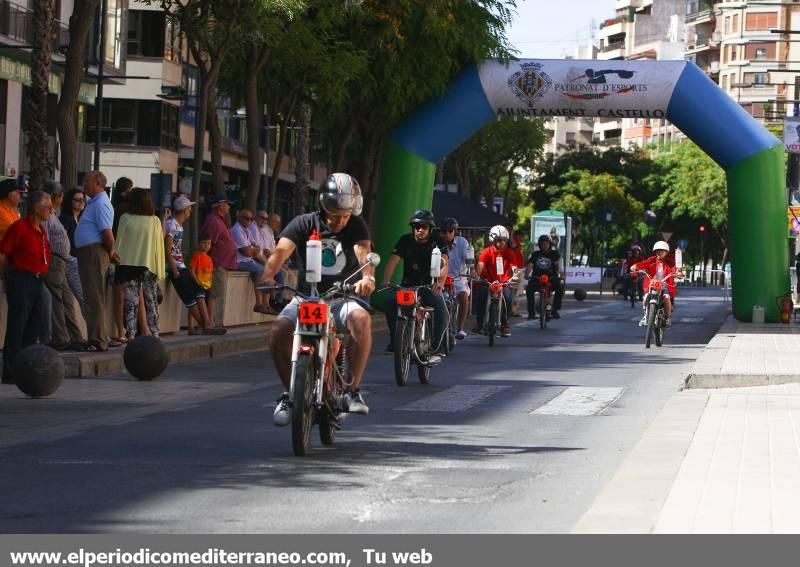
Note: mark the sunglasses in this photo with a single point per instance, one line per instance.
(447, 230)
(417, 226)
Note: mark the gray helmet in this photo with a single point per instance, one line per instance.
(341, 192)
(422, 216)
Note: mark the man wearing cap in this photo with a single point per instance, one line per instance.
(66, 333)
(25, 259)
(9, 203)
(223, 253)
(95, 249)
(182, 280)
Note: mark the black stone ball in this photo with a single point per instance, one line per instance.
(38, 371)
(580, 294)
(146, 358)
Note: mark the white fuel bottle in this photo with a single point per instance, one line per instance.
(314, 259)
(436, 263)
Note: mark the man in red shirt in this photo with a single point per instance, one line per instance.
(24, 259)
(223, 252)
(487, 269)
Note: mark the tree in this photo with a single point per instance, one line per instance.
(43, 22)
(80, 22)
(583, 194)
(487, 164)
(693, 191)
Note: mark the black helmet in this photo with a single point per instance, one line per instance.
(448, 223)
(422, 216)
(545, 238)
(340, 192)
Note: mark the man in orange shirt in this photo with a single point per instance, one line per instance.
(9, 201)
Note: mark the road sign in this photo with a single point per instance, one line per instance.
(682, 244)
(667, 235)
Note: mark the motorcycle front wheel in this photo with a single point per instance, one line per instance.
(303, 403)
(402, 351)
(491, 324)
(651, 323)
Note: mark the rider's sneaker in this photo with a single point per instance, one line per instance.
(354, 403)
(668, 322)
(389, 349)
(643, 322)
(283, 412)
(461, 335)
(505, 332)
(555, 314)
(434, 359)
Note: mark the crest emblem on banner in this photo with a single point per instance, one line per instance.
(530, 82)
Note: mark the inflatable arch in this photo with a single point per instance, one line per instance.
(752, 158)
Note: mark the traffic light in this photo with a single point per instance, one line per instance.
(702, 228)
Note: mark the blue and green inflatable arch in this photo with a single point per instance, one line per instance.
(678, 91)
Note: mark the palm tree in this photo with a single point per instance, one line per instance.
(36, 126)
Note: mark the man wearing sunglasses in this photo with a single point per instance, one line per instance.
(415, 250)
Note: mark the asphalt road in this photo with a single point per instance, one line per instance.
(516, 438)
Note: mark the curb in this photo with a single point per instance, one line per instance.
(184, 348)
(719, 381)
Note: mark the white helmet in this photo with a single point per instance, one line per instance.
(498, 231)
(661, 245)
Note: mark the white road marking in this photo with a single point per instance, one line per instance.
(593, 318)
(691, 320)
(580, 401)
(457, 398)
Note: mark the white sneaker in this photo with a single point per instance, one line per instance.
(461, 335)
(283, 411)
(643, 322)
(354, 403)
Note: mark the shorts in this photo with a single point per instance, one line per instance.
(185, 286)
(253, 268)
(461, 285)
(341, 309)
(217, 283)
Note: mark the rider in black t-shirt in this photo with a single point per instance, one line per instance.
(415, 251)
(345, 245)
(545, 261)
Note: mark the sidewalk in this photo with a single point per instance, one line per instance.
(723, 456)
(183, 348)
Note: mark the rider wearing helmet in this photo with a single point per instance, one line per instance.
(415, 250)
(345, 245)
(457, 268)
(486, 268)
(659, 266)
(545, 261)
(634, 257)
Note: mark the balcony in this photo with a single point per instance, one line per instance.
(16, 23)
(614, 45)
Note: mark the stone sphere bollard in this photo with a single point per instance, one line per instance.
(38, 371)
(145, 358)
(580, 294)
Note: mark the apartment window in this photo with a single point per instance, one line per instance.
(761, 21)
(725, 82)
(756, 79)
(734, 50)
(146, 33)
(761, 51)
(136, 123)
(727, 25)
(172, 42)
(735, 26)
(169, 126)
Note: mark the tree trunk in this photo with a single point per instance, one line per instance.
(279, 155)
(80, 22)
(36, 127)
(215, 148)
(302, 160)
(343, 144)
(257, 57)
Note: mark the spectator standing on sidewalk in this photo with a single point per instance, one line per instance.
(120, 200)
(141, 247)
(66, 333)
(9, 204)
(222, 252)
(24, 258)
(71, 211)
(95, 250)
(202, 269)
(246, 253)
(182, 280)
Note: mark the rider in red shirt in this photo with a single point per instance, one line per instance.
(660, 266)
(487, 269)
